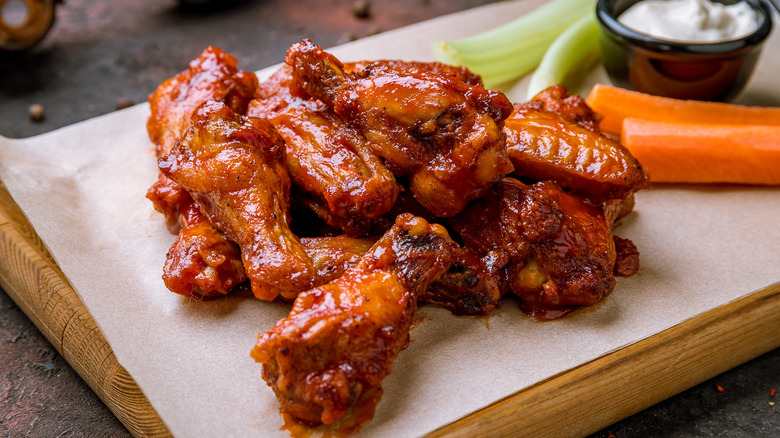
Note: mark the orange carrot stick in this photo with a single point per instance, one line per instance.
(704, 153)
(616, 104)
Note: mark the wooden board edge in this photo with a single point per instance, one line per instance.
(33, 280)
(620, 383)
(633, 378)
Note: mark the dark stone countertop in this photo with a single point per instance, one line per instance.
(102, 53)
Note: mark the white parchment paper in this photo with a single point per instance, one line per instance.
(83, 188)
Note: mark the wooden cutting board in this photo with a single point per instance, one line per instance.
(30, 276)
(622, 382)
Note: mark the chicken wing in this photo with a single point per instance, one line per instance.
(214, 75)
(554, 250)
(442, 133)
(333, 256)
(233, 166)
(467, 287)
(544, 144)
(202, 262)
(340, 340)
(556, 98)
(346, 183)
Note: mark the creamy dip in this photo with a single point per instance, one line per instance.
(692, 21)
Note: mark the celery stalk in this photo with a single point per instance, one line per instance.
(512, 50)
(568, 50)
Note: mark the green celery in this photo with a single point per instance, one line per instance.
(512, 50)
(568, 50)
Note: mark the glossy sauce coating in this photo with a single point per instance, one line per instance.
(346, 184)
(442, 133)
(381, 148)
(552, 249)
(547, 145)
(202, 262)
(341, 339)
(233, 166)
(213, 75)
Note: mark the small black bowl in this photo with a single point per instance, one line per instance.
(703, 71)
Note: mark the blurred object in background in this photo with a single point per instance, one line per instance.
(205, 5)
(23, 23)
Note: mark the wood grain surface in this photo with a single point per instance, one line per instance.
(32, 279)
(620, 383)
(576, 402)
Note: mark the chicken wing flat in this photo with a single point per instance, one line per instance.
(442, 133)
(233, 166)
(346, 183)
(340, 340)
(554, 249)
(556, 98)
(546, 145)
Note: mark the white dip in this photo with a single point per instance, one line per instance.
(692, 21)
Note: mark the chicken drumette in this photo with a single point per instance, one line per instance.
(214, 75)
(443, 134)
(340, 339)
(201, 262)
(233, 167)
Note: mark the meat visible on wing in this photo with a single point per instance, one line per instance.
(340, 339)
(545, 144)
(331, 256)
(345, 183)
(201, 263)
(213, 75)
(554, 249)
(233, 167)
(467, 287)
(556, 98)
(459, 72)
(443, 134)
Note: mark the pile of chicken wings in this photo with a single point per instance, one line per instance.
(358, 190)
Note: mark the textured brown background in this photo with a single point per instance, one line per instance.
(100, 53)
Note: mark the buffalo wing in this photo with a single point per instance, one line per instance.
(380, 148)
(233, 166)
(441, 132)
(552, 249)
(345, 183)
(340, 339)
(544, 143)
(202, 262)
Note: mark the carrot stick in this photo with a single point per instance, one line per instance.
(704, 153)
(616, 104)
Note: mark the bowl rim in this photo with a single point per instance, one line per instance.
(610, 22)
